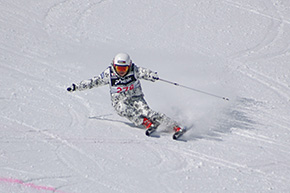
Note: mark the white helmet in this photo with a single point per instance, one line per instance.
(122, 59)
(122, 63)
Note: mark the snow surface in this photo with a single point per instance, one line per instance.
(55, 141)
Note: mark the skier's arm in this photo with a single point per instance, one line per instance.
(147, 74)
(97, 81)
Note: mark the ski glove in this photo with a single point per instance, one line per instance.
(155, 77)
(72, 88)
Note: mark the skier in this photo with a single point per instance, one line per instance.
(126, 93)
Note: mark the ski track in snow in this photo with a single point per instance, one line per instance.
(279, 88)
(280, 17)
(255, 11)
(57, 138)
(229, 164)
(269, 142)
(269, 39)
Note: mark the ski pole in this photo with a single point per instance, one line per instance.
(196, 90)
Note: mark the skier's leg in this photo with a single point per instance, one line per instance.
(126, 109)
(156, 118)
(137, 111)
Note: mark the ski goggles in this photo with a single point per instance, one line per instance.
(121, 68)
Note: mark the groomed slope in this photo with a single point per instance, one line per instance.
(55, 141)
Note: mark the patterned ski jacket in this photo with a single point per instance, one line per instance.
(120, 87)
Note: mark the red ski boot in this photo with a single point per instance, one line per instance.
(178, 132)
(150, 127)
(147, 123)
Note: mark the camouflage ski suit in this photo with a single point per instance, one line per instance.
(126, 94)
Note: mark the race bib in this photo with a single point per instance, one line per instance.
(119, 89)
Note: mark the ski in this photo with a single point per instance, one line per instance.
(150, 131)
(176, 136)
